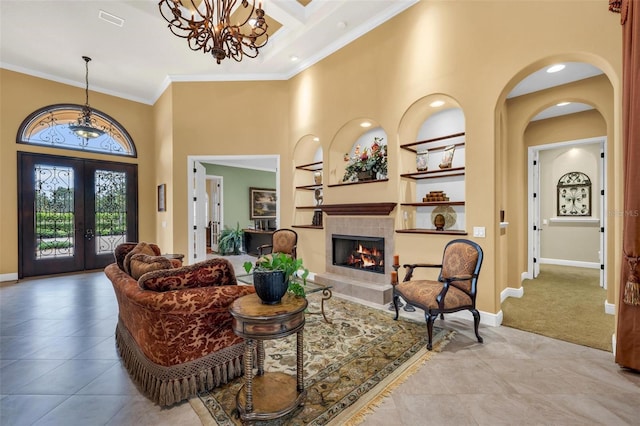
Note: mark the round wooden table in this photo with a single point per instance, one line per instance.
(272, 395)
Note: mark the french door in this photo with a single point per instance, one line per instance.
(73, 212)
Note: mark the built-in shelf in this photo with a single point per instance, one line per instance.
(410, 146)
(430, 231)
(358, 183)
(432, 174)
(316, 169)
(422, 209)
(309, 187)
(312, 167)
(435, 203)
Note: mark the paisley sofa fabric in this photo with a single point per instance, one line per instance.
(177, 341)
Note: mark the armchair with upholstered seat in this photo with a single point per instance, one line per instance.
(455, 289)
(282, 241)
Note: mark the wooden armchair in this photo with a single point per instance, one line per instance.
(282, 241)
(454, 291)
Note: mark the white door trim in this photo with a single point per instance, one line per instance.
(533, 216)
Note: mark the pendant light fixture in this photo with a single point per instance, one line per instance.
(84, 127)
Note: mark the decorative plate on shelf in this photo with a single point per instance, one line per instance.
(449, 214)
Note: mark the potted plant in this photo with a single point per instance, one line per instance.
(370, 164)
(230, 240)
(273, 276)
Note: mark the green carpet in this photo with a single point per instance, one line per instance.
(564, 303)
(349, 365)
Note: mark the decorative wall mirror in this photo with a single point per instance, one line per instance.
(574, 195)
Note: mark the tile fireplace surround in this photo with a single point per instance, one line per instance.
(361, 284)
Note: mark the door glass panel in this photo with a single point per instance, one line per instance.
(110, 211)
(54, 212)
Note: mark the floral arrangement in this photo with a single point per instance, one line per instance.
(372, 160)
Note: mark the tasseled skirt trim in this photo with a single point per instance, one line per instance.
(168, 385)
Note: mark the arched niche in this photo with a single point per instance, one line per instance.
(362, 133)
(430, 125)
(308, 167)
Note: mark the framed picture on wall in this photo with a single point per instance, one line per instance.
(263, 203)
(162, 193)
(574, 195)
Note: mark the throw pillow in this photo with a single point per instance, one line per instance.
(140, 248)
(211, 272)
(142, 263)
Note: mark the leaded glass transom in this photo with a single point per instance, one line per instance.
(49, 126)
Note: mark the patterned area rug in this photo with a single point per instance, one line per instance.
(349, 365)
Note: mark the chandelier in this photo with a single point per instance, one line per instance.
(208, 27)
(84, 126)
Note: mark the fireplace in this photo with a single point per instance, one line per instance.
(358, 252)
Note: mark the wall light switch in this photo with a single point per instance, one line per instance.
(479, 231)
(544, 221)
(164, 223)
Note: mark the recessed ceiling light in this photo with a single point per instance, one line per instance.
(555, 68)
(293, 58)
(341, 25)
(316, 139)
(365, 124)
(436, 104)
(563, 103)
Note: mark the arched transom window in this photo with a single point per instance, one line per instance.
(49, 126)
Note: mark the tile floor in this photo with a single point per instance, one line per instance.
(59, 366)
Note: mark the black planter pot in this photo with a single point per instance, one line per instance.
(270, 286)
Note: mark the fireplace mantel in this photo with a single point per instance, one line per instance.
(361, 209)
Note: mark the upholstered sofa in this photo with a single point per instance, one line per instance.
(174, 330)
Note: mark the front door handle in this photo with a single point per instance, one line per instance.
(88, 234)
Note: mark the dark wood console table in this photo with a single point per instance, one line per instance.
(254, 238)
(272, 395)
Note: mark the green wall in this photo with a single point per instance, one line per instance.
(236, 182)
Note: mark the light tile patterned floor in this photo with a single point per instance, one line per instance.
(59, 366)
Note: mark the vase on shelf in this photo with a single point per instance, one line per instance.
(365, 175)
(422, 160)
(317, 177)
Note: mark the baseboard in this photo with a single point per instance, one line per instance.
(486, 318)
(526, 276)
(511, 292)
(576, 263)
(609, 308)
(9, 277)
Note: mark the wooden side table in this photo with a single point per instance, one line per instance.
(272, 395)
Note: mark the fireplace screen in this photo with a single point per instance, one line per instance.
(364, 253)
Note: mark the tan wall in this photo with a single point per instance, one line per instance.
(231, 118)
(21, 95)
(163, 158)
(472, 51)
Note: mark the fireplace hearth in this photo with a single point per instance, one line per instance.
(358, 252)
